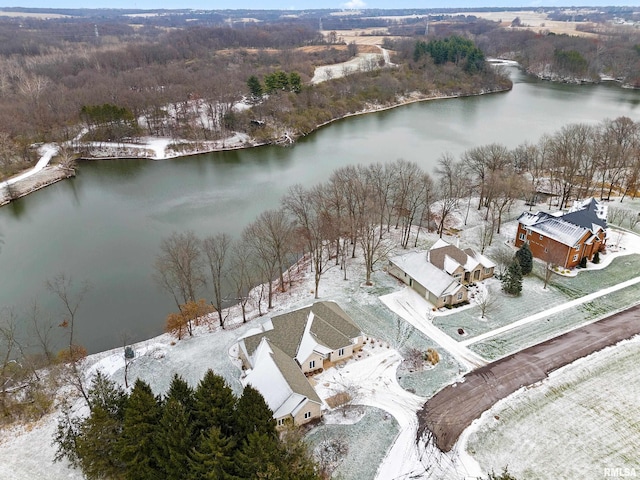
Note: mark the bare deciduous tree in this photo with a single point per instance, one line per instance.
(485, 301)
(241, 274)
(71, 297)
(313, 213)
(503, 256)
(450, 180)
(179, 267)
(217, 250)
(268, 239)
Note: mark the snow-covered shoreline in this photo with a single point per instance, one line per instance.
(374, 378)
(156, 148)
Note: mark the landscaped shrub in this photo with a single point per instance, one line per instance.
(432, 356)
(525, 259)
(583, 262)
(596, 258)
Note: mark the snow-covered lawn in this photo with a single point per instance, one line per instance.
(382, 441)
(581, 420)
(414, 309)
(372, 382)
(364, 61)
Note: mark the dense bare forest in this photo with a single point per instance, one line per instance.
(121, 80)
(124, 75)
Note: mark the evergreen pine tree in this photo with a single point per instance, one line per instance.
(525, 259)
(252, 414)
(174, 440)
(596, 258)
(99, 433)
(180, 391)
(97, 446)
(137, 446)
(512, 280)
(214, 405)
(213, 459)
(255, 88)
(259, 457)
(295, 453)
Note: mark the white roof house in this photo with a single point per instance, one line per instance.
(435, 285)
(280, 381)
(278, 354)
(429, 276)
(452, 259)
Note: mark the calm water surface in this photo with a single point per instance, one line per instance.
(105, 225)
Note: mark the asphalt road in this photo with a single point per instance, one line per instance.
(451, 410)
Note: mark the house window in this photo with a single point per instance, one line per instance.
(312, 364)
(528, 231)
(307, 415)
(577, 247)
(522, 237)
(460, 296)
(546, 250)
(575, 257)
(541, 237)
(280, 422)
(487, 271)
(341, 352)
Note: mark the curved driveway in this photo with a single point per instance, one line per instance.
(450, 411)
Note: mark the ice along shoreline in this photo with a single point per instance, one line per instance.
(157, 148)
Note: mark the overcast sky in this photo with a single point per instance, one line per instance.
(300, 4)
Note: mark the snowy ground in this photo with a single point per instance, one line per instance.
(46, 152)
(158, 148)
(580, 421)
(364, 61)
(389, 392)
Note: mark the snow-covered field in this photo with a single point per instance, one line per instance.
(583, 419)
(362, 62)
(381, 438)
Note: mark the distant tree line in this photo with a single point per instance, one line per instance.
(183, 83)
(201, 433)
(569, 58)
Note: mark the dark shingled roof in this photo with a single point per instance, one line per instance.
(586, 217)
(331, 327)
(293, 375)
(437, 256)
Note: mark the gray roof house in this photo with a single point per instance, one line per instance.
(284, 349)
(284, 387)
(467, 266)
(434, 284)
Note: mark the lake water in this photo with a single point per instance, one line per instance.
(105, 225)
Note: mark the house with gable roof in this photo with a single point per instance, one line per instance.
(565, 238)
(467, 266)
(290, 346)
(284, 387)
(442, 274)
(435, 285)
